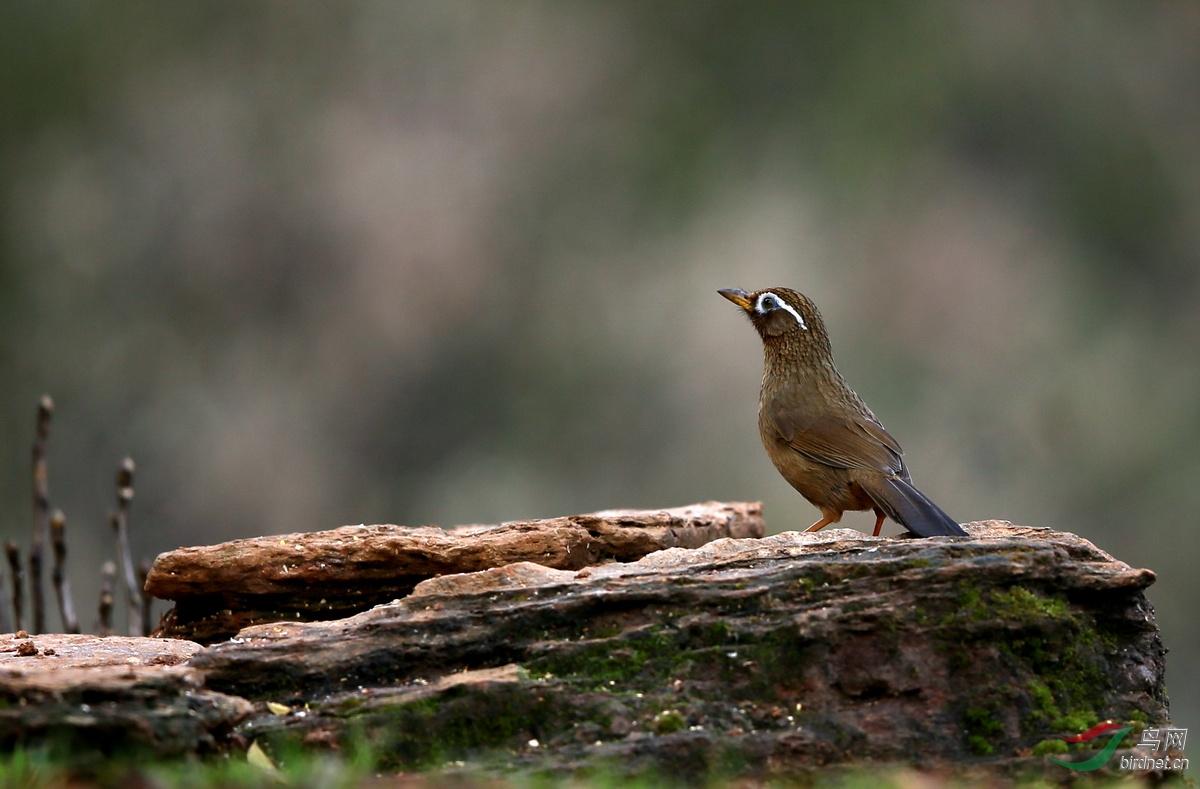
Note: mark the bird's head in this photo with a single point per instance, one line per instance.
(788, 322)
(777, 312)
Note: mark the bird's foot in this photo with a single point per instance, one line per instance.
(821, 524)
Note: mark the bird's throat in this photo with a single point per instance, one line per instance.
(799, 369)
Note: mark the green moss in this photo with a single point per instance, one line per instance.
(1071, 680)
(970, 606)
(1047, 646)
(814, 578)
(779, 660)
(636, 669)
(1049, 746)
(979, 745)
(1075, 720)
(668, 721)
(1015, 606)
(604, 629)
(649, 656)
(350, 704)
(466, 722)
(653, 657)
(982, 728)
(1022, 605)
(1044, 705)
(1046, 713)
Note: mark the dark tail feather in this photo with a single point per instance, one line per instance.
(909, 507)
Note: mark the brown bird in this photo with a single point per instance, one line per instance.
(819, 434)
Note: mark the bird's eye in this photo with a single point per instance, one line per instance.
(768, 304)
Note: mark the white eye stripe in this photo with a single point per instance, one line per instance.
(783, 305)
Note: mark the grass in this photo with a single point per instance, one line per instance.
(44, 768)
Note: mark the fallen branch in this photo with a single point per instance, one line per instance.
(41, 512)
(62, 584)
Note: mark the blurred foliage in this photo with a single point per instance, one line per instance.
(454, 261)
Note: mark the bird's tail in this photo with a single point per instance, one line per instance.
(912, 509)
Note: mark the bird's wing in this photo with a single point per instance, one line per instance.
(856, 441)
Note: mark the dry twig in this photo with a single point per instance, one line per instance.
(107, 575)
(18, 578)
(147, 599)
(120, 524)
(41, 512)
(6, 624)
(62, 584)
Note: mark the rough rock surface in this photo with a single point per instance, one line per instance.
(786, 655)
(218, 589)
(93, 696)
(762, 656)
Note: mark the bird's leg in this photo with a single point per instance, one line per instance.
(827, 518)
(879, 516)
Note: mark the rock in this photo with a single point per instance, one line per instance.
(779, 655)
(218, 589)
(791, 656)
(91, 697)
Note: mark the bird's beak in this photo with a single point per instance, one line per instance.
(737, 296)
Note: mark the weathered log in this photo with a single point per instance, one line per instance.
(218, 589)
(91, 697)
(779, 655)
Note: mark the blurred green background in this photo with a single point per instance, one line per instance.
(316, 264)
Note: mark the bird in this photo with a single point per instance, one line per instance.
(818, 432)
